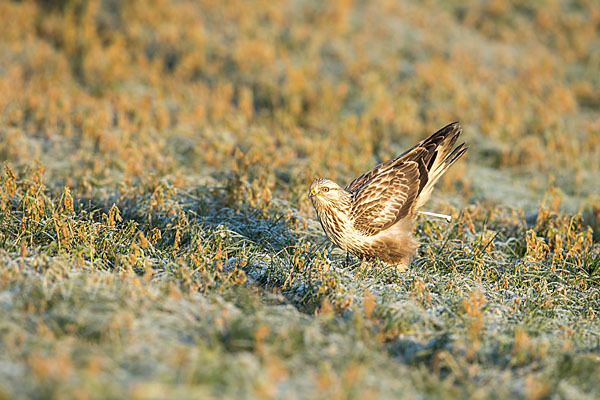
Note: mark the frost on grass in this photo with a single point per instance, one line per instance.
(198, 295)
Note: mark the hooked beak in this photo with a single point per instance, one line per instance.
(313, 192)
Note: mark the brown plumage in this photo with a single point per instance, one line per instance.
(373, 217)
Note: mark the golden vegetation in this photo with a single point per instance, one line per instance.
(155, 235)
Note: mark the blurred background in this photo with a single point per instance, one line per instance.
(107, 93)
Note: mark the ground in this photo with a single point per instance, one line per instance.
(157, 241)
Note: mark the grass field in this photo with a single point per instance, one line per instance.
(156, 240)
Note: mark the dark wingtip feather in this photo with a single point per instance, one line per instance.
(457, 153)
(453, 129)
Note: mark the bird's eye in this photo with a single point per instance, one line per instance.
(325, 190)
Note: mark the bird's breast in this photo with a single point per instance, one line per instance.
(340, 229)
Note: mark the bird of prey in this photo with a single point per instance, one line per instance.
(373, 217)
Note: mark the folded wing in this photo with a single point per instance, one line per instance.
(385, 198)
(396, 188)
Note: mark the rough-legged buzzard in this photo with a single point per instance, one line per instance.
(373, 217)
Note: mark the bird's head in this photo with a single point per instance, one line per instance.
(324, 192)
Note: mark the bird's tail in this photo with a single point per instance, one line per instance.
(440, 157)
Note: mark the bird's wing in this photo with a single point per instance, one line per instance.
(425, 153)
(367, 176)
(386, 197)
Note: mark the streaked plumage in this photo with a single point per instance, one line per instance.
(373, 217)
